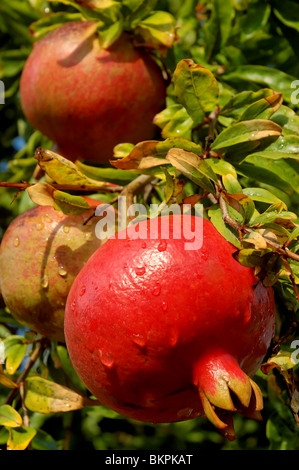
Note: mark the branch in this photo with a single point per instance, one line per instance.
(66, 187)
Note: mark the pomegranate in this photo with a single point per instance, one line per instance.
(160, 333)
(41, 253)
(87, 99)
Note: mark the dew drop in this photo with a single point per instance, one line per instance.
(106, 359)
(143, 245)
(162, 245)
(156, 290)
(164, 306)
(66, 229)
(16, 241)
(139, 340)
(204, 256)
(125, 266)
(140, 271)
(39, 226)
(62, 272)
(45, 282)
(83, 290)
(73, 305)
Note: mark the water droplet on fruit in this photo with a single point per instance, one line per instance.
(45, 281)
(83, 290)
(66, 229)
(143, 245)
(156, 290)
(162, 245)
(139, 340)
(140, 271)
(16, 241)
(73, 305)
(62, 272)
(39, 226)
(185, 413)
(164, 306)
(204, 256)
(125, 266)
(106, 359)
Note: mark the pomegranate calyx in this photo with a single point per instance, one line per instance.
(225, 389)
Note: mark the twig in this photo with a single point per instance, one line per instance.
(280, 249)
(66, 187)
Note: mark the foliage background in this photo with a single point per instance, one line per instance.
(247, 44)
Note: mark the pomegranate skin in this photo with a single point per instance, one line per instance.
(41, 253)
(159, 333)
(87, 99)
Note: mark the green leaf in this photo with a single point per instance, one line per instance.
(262, 195)
(231, 184)
(226, 231)
(221, 167)
(244, 132)
(138, 10)
(14, 356)
(111, 175)
(10, 417)
(263, 108)
(196, 89)
(262, 75)
(48, 23)
(240, 102)
(20, 438)
(288, 13)
(68, 368)
(156, 31)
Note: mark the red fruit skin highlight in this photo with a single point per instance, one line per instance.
(161, 334)
(87, 99)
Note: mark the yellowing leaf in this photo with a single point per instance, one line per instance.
(43, 194)
(45, 396)
(63, 171)
(282, 360)
(9, 416)
(20, 438)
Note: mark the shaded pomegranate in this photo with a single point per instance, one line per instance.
(161, 333)
(87, 99)
(41, 253)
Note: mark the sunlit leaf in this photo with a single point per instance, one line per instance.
(20, 438)
(45, 396)
(196, 89)
(9, 416)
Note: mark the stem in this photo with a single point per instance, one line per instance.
(66, 187)
(280, 249)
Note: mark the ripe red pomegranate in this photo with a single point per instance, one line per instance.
(87, 99)
(162, 334)
(41, 253)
